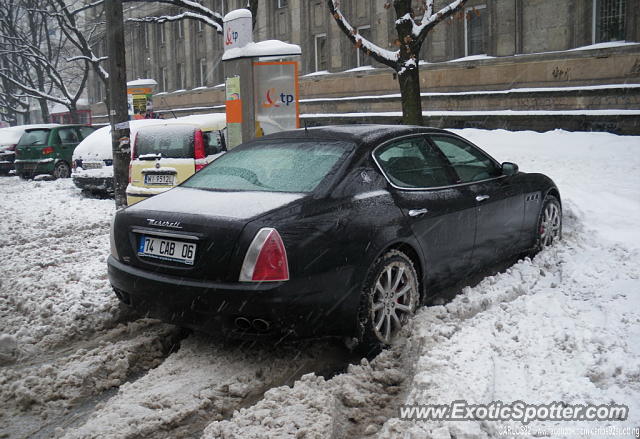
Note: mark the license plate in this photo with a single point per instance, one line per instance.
(160, 179)
(167, 249)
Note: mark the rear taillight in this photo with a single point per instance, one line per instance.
(266, 258)
(198, 150)
(48, 150)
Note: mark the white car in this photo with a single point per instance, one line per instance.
(92, 161)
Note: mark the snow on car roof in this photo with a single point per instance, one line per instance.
(11, 135)
(97, 146)
(359, 133)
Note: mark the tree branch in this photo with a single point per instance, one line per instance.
(420, 31)
(381, 55)
(168, 18)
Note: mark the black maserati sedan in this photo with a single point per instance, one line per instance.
(332, 231)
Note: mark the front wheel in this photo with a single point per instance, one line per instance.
(61, 170)
(390, 298)
(549, 226)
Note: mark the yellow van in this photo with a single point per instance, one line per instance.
(166, 154)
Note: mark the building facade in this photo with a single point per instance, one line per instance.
(184, 56)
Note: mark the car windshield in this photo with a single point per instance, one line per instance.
(274, 166)
(34, 137)
(173, 141)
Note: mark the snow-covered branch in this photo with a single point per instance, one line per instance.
(384, 56)
(430, 19)
(185, 15)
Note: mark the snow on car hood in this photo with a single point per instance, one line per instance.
(237, 205)
(97, 146)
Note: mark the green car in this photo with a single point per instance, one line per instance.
(48, 150)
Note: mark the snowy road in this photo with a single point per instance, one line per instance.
(564, 326)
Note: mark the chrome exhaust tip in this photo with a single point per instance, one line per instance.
(243, 323)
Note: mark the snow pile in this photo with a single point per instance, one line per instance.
(262, 49)
(48, 296)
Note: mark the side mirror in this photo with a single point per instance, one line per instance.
(509, 168)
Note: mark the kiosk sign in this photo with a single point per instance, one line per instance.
(277, 96)
(237, 29)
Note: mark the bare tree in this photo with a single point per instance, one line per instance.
(412, 33)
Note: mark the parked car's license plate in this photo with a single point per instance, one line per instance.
(161, 179)
(169, 250)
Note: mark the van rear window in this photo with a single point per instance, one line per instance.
(172, 141)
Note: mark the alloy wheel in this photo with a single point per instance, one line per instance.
(394, 300)
(550, 224)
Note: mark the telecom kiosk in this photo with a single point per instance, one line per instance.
(261, 79)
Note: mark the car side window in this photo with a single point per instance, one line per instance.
(413, 163)
(469, 163)
(213, 142)
(68, 135)
(85, 131)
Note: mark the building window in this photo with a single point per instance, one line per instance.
(361, 58)
(283, 4)
(320, 52)
(179, 77)
(475, 31)
(161, 36)
(200, 26)
(163, 79)
(608, 20)
(180, 28)
(145, 36)
(202, 72)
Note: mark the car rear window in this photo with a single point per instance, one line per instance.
(273, 166)
(34, 137)
(171, 141)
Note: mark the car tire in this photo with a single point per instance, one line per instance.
(389, 299)
(24, 176)
(549, 224)
(61, 170)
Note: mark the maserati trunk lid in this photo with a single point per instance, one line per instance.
(191, 232)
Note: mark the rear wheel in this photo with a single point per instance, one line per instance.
(549, 226)
(61, 170)
(390, 298)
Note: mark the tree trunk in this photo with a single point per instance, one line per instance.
(44, 110)
(73, 113)
(410, 97)
(118, 108)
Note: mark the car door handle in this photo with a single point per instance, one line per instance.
(482, 197)
(417, 212)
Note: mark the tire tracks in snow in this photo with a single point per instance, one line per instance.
(204, 381)
(42, 393)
